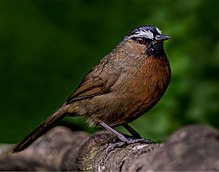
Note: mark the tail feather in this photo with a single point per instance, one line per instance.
(41, 129)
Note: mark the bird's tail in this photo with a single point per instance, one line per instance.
(41, 129)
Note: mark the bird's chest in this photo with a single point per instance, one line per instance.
(147, 84)
(152, 79)
(154, 75)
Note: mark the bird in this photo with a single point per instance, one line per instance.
(126, 83)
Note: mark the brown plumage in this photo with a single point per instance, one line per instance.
(127, 83)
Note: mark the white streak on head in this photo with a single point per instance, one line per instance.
(158, 30)
(143, 33)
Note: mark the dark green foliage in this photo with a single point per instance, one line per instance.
(46, 47)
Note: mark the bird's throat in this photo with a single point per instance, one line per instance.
(155, 49)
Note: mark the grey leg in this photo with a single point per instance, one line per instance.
(116, 133)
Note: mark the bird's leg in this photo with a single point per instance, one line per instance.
(109, 149)
(134, 133)
(116, 133)
(124, 140)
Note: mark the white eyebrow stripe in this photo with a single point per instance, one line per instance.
(143, 33)
(158, 30)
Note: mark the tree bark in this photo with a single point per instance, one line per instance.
(190, 148)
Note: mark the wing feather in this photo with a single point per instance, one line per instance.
(97, 82)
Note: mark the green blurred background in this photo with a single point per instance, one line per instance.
(46, 47)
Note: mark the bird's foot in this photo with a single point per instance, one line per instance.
(121, 140)
(117, 143)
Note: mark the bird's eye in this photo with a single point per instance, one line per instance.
(139, 40)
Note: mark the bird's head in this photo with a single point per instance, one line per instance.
(148, 36)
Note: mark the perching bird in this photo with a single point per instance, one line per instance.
(126, 83)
